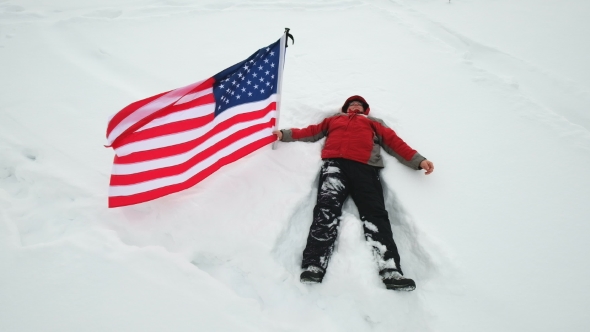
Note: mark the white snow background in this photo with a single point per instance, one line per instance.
(495, 93)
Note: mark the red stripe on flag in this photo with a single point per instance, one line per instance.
(129, 109)
(173, 150)
(128, 179)
(166, 129)
(118, 201)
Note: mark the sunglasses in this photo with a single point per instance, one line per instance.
(355, 103)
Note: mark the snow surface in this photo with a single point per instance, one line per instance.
(495, 93)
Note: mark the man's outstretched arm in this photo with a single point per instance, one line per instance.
(396, 147)
(308, 134)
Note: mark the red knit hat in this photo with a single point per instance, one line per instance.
(356, 98)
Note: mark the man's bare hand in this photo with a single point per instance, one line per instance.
(279, 134)
(428, 166)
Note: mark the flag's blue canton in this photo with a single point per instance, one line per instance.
(253, 79)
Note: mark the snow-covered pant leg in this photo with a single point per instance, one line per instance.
(367, 192)
(332, 192)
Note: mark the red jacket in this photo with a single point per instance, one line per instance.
(356, 137)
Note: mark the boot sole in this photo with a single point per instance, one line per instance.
(311, 281)
(402, 288)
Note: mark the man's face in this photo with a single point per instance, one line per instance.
(355, 107)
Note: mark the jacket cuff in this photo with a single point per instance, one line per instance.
(416, 160)
(287, 135)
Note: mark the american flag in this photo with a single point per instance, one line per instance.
(174, 140)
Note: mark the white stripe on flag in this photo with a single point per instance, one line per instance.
(193, 96)
(191, 113)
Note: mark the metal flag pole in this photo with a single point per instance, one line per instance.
(284, 46)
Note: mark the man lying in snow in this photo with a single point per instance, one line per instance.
(351, 166)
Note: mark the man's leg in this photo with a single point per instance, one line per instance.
(332, 192)
(367, 193)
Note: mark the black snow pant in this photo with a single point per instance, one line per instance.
(338, 179)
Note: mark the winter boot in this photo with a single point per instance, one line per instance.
(396, 281)
(312, 275)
